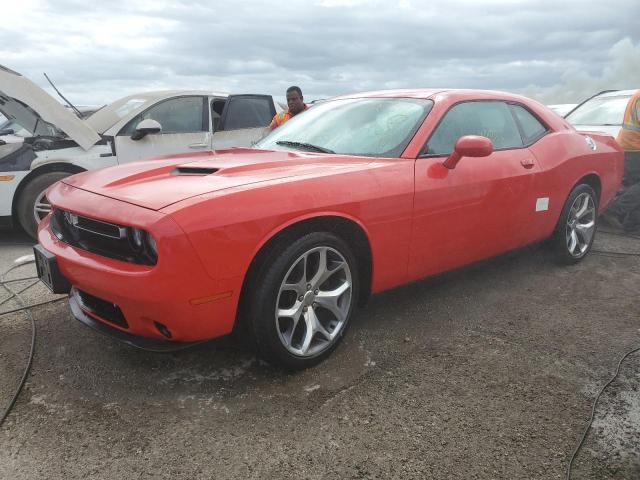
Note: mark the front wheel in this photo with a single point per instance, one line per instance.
(302, 300)
(33, 205)
(576, 228)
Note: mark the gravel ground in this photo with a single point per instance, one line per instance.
(489, 372)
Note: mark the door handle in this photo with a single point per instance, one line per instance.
(198, 145)
(527, 162)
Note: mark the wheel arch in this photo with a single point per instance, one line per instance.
(593, 180)
(349, 230)
(41, 170)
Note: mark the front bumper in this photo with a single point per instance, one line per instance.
(150, 344)
(9, 182)
(167, 306)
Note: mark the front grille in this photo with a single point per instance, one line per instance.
(99, 237)
(96, 226)
(107, 311)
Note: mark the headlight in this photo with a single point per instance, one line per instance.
(143, 244)
(136, 236)
(153, 247)
(125, 243)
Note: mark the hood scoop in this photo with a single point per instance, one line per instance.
(187, 170)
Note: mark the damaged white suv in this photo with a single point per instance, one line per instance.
(132, 128)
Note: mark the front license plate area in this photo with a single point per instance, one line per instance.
(48, 271)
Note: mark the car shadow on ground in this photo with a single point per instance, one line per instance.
(224, 368)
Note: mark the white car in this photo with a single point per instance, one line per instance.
(132, 128)
(603, 112)
(562, 108)
(12, 132)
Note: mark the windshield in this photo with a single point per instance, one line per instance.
(108, 116)
(600, 111)
(376, 127)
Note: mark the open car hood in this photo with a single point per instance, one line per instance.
(29, 104)
(158, 183)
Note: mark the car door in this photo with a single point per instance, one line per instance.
(480, 207)
(185, 128)
(244, 120)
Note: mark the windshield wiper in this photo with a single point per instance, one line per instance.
(306, 146)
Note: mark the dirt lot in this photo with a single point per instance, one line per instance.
(485, 373)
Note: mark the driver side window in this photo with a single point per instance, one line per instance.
(491, 119)
(176, 115)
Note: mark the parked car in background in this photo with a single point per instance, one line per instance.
(603, 112)
(354, 196)
(85, 111)
(12, 132)
(132, 128)
(562, 108)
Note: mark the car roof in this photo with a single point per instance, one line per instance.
(160, 94)
(456, 93)
(396, 93)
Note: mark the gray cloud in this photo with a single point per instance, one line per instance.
(557, 52)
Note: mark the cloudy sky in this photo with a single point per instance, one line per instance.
(555, 51)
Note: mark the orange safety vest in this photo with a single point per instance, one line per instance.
(281, 118)
(629, 136)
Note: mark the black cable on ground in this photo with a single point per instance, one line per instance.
(13, 294)
(593, 411)
(33, 342)
(620, 234)
(13, 280)
(613, 254)
(32, 305)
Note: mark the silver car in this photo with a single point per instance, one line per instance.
(603, 112)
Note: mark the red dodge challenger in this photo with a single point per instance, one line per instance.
(356, 195)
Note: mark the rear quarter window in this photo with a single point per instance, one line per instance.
(531, 128)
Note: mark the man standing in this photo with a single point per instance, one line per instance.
(296, 104)
(624, 211)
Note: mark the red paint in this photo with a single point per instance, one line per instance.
(420, 217)
(469, 146)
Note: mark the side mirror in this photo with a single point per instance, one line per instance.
(469, 146)
(146, 127)
(7, 131)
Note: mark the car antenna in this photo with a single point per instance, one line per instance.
(62, 96)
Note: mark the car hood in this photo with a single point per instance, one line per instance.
(160, 182)
(27, 103)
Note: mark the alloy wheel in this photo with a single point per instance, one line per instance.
(41, 207)
(314, 301)
(581, 225)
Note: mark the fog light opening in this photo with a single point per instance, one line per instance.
(163, 329)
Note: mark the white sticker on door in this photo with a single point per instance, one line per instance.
(542, 204)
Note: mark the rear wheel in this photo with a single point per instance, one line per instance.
(33, 205)
(576, 228)
(302, 299)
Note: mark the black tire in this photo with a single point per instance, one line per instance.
(27, 200)
(263, 296)
(560, 241)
